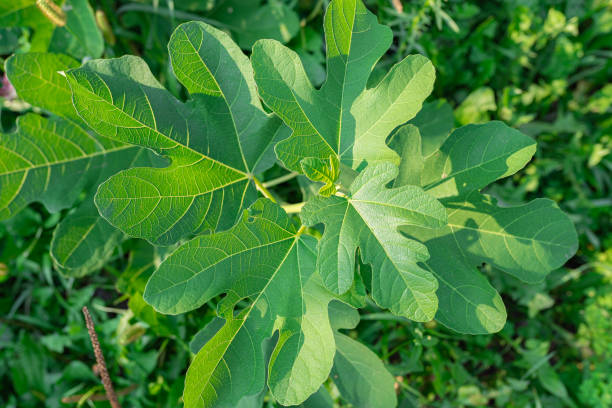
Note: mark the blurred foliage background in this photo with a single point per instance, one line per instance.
(543, 66)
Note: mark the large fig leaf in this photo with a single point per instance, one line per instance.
(267, 262)
(526, 241)
(215, 141)
(343, 118)
(53, 160)
(369, 218)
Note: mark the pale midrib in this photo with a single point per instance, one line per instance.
(340, 113)
(505, 235)
(79, 242)
(226, 257)
(215, 188)
(466, 299)
(74, 159)
(438, 276)
(478, 165)
(309, 121)
(197, 52)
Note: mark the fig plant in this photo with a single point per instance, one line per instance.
(399, 217)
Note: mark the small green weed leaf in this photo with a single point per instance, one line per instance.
(343, 118)
(325, 171)
(162, 325)
(369, 219)
(265, 260)
(360, 376)
(526, 241)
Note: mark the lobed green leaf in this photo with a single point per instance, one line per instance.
(342, 119)
(369, 218)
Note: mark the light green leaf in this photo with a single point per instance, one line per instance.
(525, 241)
(361, 377)
(214, 142)
(51, 161)
(369, 219)
(38, 80)
(475, 108)
(474, 156)
(325, 171)
(343, 118)
(266, 261)
(70, 160)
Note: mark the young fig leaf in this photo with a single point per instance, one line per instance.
(326, 171)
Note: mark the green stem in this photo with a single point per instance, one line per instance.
(263, 190)
(280, 180)
(293, 208)
(301, 230)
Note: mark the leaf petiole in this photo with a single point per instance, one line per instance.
(280, 180)
(263, 190)
(293, 208)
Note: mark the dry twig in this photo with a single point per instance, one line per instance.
(397, 4)
(106, 381)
